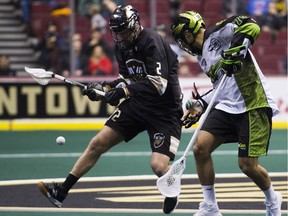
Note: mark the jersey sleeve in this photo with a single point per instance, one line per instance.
(246, 32)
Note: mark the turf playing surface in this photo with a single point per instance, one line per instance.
(35, 155)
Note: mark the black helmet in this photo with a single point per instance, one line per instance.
(124, 22)
(188, 21)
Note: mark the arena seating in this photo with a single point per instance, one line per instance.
(270, 50)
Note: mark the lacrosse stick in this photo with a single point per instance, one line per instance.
(169, 184)
(43, 77)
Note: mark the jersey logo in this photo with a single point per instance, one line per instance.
(136, 69)
(203, 63)
(158, 139)
(214, 45)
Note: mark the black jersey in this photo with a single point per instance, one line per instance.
(151, 67)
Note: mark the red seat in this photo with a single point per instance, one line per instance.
(264, 38)
(212, 8)
(270, 65)
(281, 37)
(193, 5)
(270, 50)
(194, 67)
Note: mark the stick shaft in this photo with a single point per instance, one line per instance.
(64, 79)
(73, 82)
(39, 73)
(204, 116)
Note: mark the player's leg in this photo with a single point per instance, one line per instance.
(216, 130)
(254, 142)
(205, 144)
(164, 134)
(98, 145)
(159, 163)
(117, 128)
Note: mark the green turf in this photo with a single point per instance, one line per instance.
(27, 142)
(44, 142)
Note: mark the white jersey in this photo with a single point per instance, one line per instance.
(245, 90)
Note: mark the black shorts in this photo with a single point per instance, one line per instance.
(164, 131)
(252, 130)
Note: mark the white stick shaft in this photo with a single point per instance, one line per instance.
(39, 73)
(56, 76)
(204, 116)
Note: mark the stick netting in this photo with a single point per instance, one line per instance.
(39, 75)
(169, 184)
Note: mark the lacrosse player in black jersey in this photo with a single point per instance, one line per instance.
(151, 100)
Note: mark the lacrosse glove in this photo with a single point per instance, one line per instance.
(114, 95)
(118, 83)
(195, 106)
(231, 60)
(89, 91)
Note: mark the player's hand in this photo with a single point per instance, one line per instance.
(231, 59)
(89, 91)
(230, 66)
(189, 119)
(114, 95)
(118, 83)
(195, 109)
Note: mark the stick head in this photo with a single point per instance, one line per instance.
(169, 184)
(40, 75)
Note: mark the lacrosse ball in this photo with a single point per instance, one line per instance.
(60, 140)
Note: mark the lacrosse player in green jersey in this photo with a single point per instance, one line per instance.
(244, 107)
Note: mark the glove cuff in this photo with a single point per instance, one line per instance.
(203, 104)
(126, 91)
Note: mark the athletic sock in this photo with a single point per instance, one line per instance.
(270, 195)
(69, 182)
(209, 194)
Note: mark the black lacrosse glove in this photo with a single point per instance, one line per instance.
(118, 83)
(89, 91)
(114, 95)
(188, 121)
(231, 60)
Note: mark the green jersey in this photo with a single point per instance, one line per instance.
(247, 88)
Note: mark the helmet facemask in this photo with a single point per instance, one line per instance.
(127, 37)
(183, 45)
(188, 22)
(125, 26)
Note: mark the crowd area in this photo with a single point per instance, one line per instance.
(94, 54)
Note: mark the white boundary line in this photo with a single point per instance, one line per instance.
(132, 177)
(122, 210)
(122, 154)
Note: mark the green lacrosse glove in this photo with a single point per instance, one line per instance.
(231, 60)
(89, 91)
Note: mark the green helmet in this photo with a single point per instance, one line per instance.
(188, 21)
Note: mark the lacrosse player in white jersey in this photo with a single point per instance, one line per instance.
(244, 107)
